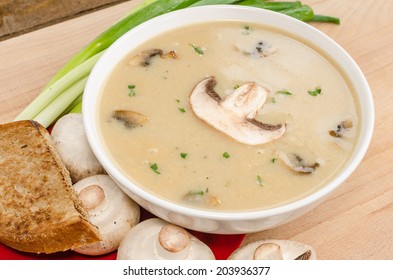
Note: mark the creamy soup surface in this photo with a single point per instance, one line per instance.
(181, 158)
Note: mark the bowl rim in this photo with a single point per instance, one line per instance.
(200, 14)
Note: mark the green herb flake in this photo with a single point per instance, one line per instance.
(182, 110)
(284, 92)
(315, 91)
(236, 86)
(183, 155)
(177, 100)
(226, 155)
(246, 30)
(259, 181)
(199, 192)
(197, 49)
(131, 91)
(154, 167)
(273, 160)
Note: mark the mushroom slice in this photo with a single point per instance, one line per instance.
(274, 250)
(296, 163)
(259, 49)
(130, 119)
(341, 128)
(235, 115)
(144, 58)
(201, 197)
(109, 209)
(155, 239)
(71, 143)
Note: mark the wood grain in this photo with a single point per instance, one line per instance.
(22, 16)
(356, 221)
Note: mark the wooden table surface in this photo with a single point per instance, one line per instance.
(356, 221)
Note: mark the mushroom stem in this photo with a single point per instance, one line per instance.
(268, 251)
(91, 196)
(173, 242)
(235, 115)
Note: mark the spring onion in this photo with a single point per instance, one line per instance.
(322, 18)
(52, 92)
(63, 93)
(47, 116)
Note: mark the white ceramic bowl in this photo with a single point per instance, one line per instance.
(211, 221)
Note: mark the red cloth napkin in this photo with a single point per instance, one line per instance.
(221, 245)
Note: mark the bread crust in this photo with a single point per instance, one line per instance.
(39, 210)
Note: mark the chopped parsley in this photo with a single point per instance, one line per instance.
(259, 181)
(154, 167)
(236, 86)
(226, 155)
(177, 100)
(246, 30)
(183, 155)
(284, 92)
(198, 50)
(182, 110)
(315, 91)
(273, 160)
(199, 192)
(131, 91)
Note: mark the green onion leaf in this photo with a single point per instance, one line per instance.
(322, 18)
(226, 155)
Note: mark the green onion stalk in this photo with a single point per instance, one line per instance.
(63, 94)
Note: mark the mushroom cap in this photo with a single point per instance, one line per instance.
(155, 239)
(274, 249)
(71, 143)
(109, 209)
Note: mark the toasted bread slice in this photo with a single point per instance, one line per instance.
(39, 211)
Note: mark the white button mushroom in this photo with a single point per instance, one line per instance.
(155, 239)
(274, 250)
(110, 209)
(70, 141)
(236, 114)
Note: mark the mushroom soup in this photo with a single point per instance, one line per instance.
(228, 116)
